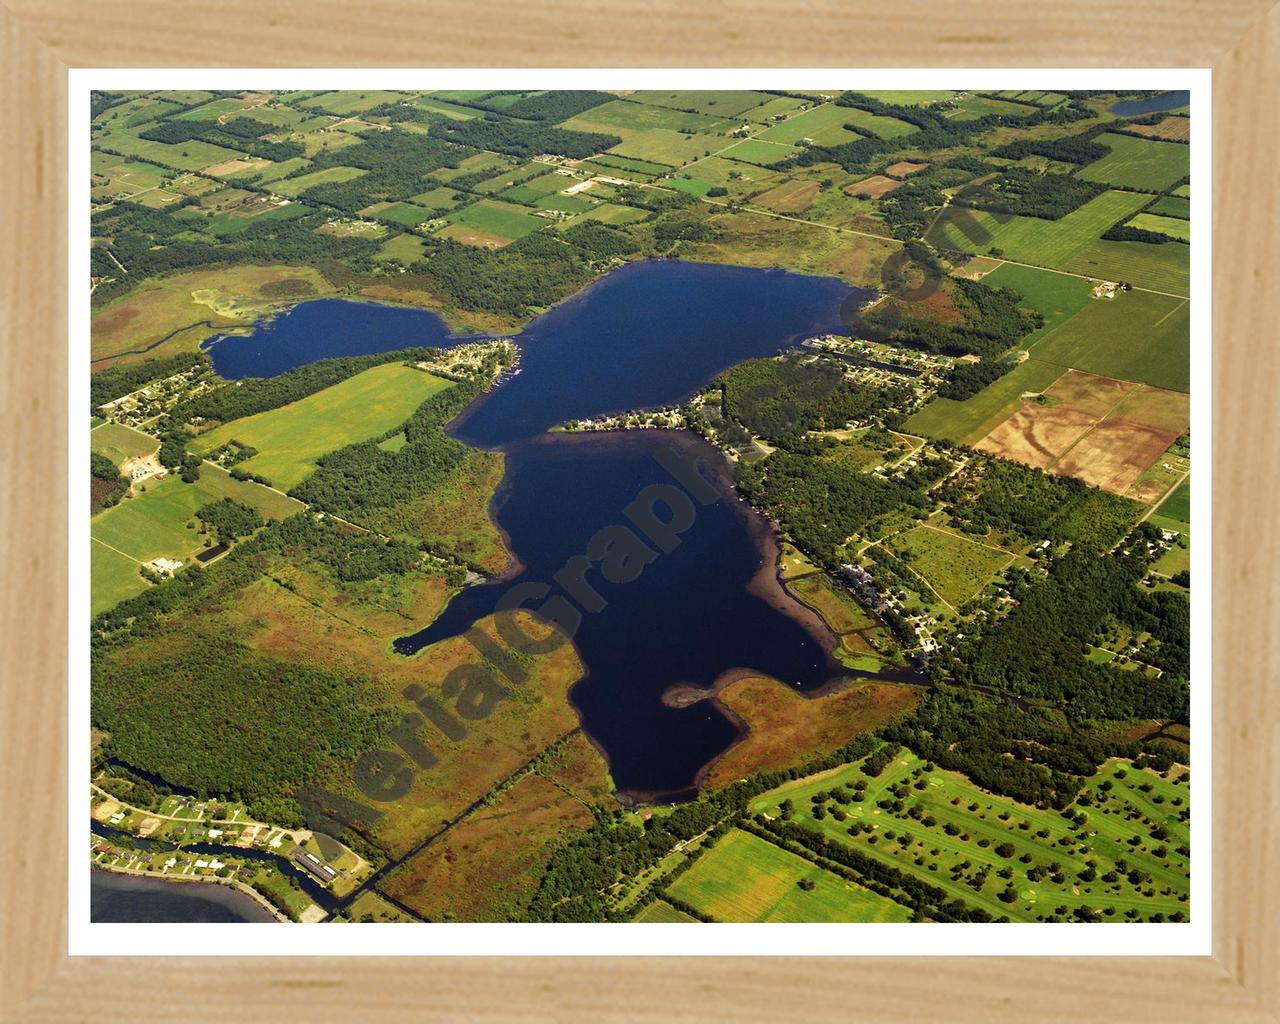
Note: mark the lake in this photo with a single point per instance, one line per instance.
(1152, 104)
(648, 334)
(131, 899)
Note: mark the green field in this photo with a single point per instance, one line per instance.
(664, 146)
(118, 442)
(290, 439)
(405, 248)
(1139, 163)
(625, 118)
(1183, 190)
(762, 154)
(824, 126)
(349, 101)
(294, 187)
(971, 420)
(1138, 336)
(1174, 227)
(1073, 243)
(264, 175)
(1058, 297)
(973, 107)
(746, 879)
(1178, 504)
(190, 156)
(153, 523)
(659, 912)
(1172, 206)
(957, 569)
(494, 217)
(436, 199)
(955, 842)
(405, 214)
(719, 102)
(885, 127)
(909, 97)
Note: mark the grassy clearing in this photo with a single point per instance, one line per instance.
(1137, 336)
(664, 146)
(971, 420)
(290, 439)
(494, 217)
(746, 879)
(956, 841)
(957, 569)
(1073, 243)
(1139, 163)
(838, 609)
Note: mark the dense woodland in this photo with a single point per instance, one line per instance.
(1028, 193)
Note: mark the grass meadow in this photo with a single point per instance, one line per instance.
(1146, 164)
(291, 438)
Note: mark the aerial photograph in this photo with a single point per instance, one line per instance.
(680, 506)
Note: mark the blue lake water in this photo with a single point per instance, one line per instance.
(1152, 104)
(648, 334)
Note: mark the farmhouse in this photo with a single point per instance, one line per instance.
(164, 566)
(1105, 290)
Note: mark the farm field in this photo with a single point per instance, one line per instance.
(824, 126)
(290, 439)
(1177, 506)
(118, 442)
(1058, 297)
(294, 187)
(759, 152)
(957, 841)
(719, 102)
(972, 419)
(154, 523)
(1073, 243)
(404, 214)
(491, 218)
(1139, 163)
(1172, 206)
(661, 912)
(909, 97)
(625, 118)
(665, 146)
(955, 567)
(747, 879)
(1174, 227)
(1137, 336)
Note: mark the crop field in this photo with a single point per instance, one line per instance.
(290, 439)
(873, 187)
(118, 442)
(436, 199)
(154, 523)
(495, 218)
(1127, 861)
(1072, 243)
(744, 878)
(973, 107)
(1171, 206)
(758, 152)
(660, 912)
(823, 125)
(403, 214)
(1139, 163)
(1057, 297)
(1138, 336)
(1182, 190)
(718, 102)
(1174, 513)
(956, 568)
(664, 146)
(1171, 128)
(793, 197)
(135, 112)
(537, 188)
(624, 118)
(294, 187)
(189, 156)
(909, 97)
(969, 421)
(349, 101)
(1129, 440)
(1174, 227)
(884, 127)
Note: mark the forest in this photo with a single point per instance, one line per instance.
(524, 140)
(992, 322)
(1029, 193)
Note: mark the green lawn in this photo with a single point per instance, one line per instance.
(118, 442)
(1137, 336)
(971, 420)
(1139, 163)
(1073, 243)
(961, 828)
(154, 523)
(290, 439)
(955, 567)
(746, 879)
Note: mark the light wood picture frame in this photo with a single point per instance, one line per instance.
(41, 39)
